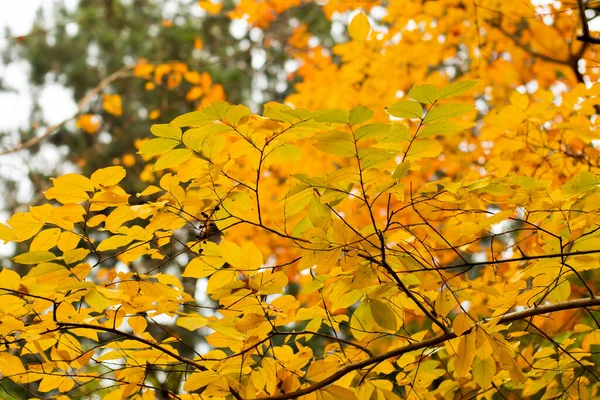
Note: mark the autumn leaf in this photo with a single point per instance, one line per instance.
(112, 104)
(89, 123)
(359, 27)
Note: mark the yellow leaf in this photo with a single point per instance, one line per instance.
(12, 367)
(223, 340)
(461, 324)
(201, 267)
(68, 241)
(249, 322)
(580, 183)
(319, 370)
(269, 282)
(444, 303)
(34, 257)
(166, 131)
(49, 383)
(9, 279)
(359, 27)
(138, 324)
(154, 114)
(97, 301)
(561, 292)
(192, 323)
(24, 225)
(48, 273)
(198, 380)
(319, 214)
(252, 257)
(581, 328)
(154, 147)
(108, 176)
(70, 188)
(231, 253)
(339, 392)
(45, 240)
(172, 158)
(118, 217)
(484, 371)
(114, 242)
(88, 122)
(362, 321)
(166, 221)
(347, 299)
(383, 315)
(112, 104)
(6, 233)
(465, 354)
(422, 148)
(211, 7)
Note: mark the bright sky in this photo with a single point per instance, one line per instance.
(57, 102)
(14, 107)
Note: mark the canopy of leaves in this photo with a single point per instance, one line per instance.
(389, 236)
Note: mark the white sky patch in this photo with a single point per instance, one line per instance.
(466, 305)
(200, 293)
(58, 103)
(164, 319)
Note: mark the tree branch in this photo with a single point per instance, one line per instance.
(585, 37)
(82, 103)
(511, 317)
(133, 337)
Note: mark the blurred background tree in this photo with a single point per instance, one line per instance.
(128, 65)
(194, 56)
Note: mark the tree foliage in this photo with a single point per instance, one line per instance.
(440, 242)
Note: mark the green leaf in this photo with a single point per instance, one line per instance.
(455, 89)
(373, 157)
(406, 109)
(172, 158)
(157, 146)
(34, 257)
(283, 113)
(440, 128)
(359, 115)
(383, 315)
(371, 130)
(294, 203)
(580, 183)
(166, 131)
(319, 214)
(397, 133)
(314, 285)
(426, 94)
(446, 112)
(332, 116)
(217, 110)
(483, 372)
(528, 183)
(336, 142)
(286, 153)
(401, 170)
(236, 113)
